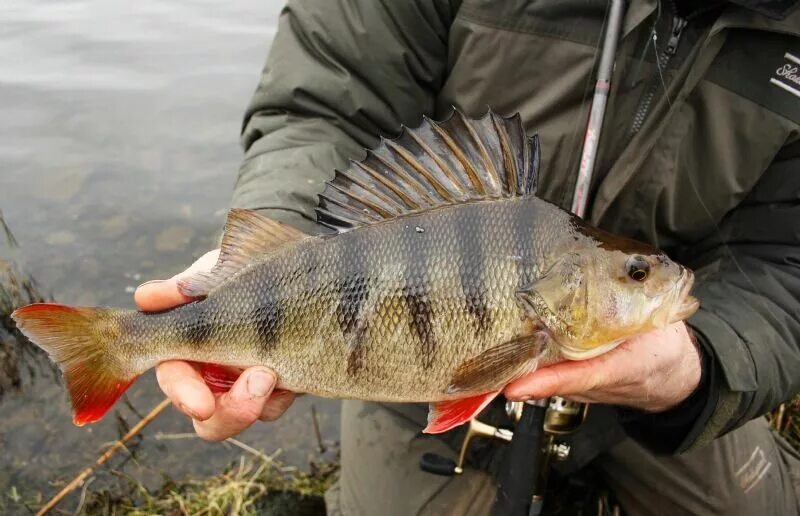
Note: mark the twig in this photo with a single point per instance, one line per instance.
(257, 453)
(78, 480)
(161, 436)
(320, 444)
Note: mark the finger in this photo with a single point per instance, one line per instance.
(560, 379)
(240, 407)
(278, 403)
(157, 295)
(163, 294)
(184, 386)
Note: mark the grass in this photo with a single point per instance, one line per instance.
(786, 420)
(18, 358)
(251, 486)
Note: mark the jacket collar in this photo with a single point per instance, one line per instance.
(780, 16)
(775, 9)
(739, 17)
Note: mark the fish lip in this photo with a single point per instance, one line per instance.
(688, 303)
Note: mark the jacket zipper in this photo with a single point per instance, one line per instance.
(678, 24)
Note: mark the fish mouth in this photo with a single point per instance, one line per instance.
(686, 304)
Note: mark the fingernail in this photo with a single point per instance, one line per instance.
(151, 282)
(259, 384)
(189, 412)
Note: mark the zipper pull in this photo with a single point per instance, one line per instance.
(678, 24)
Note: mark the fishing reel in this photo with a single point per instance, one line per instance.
(561, 417)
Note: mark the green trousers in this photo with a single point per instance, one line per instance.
(750, 471)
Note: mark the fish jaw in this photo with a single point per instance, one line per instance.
(685, 304)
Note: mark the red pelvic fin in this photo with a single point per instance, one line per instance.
(445, 415)
(219, 378)
(95, 375)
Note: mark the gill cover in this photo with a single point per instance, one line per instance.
(558, 298)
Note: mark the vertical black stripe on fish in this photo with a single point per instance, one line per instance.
(472, 270)
(355, 357)
(195, 322)
(523, 234)
(266, 318)
(416, 291)
(310, 267)
(353, 295)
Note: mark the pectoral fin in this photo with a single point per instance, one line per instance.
(445, 415)
(497, 366)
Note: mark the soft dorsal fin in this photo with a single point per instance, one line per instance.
(436, 164)
(247, 236)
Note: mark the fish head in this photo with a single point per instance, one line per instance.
(592, 299)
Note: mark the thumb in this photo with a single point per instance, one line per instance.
(240, 407)
(158, 295)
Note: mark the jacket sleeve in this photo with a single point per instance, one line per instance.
(748, 284)
(339, 73)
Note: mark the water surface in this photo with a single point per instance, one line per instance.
(118, 152)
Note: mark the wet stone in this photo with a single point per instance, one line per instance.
(174, 237)
(61, 238)
(114, 226)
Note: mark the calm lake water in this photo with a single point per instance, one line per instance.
(118, 153)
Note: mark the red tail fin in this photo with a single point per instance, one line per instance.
(78, 339)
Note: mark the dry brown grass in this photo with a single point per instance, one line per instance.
(786, 419)
(252, 486)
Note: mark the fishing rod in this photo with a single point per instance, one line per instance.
(520, 490)
(532, 444)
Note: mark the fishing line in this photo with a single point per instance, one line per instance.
(650, 39)
(660, 71)
(727, 247)
(653, 39)
(696, 190)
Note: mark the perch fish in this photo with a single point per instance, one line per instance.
(446, 279)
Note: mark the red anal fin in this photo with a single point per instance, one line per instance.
(445, 415)
(219, 378)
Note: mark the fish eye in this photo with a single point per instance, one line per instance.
(637, 268)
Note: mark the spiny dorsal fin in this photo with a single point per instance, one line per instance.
(436, 164)
(247, 236)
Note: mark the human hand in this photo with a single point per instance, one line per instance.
(216, 416)
(653, 372)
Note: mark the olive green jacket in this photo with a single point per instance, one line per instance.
(709, 170)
